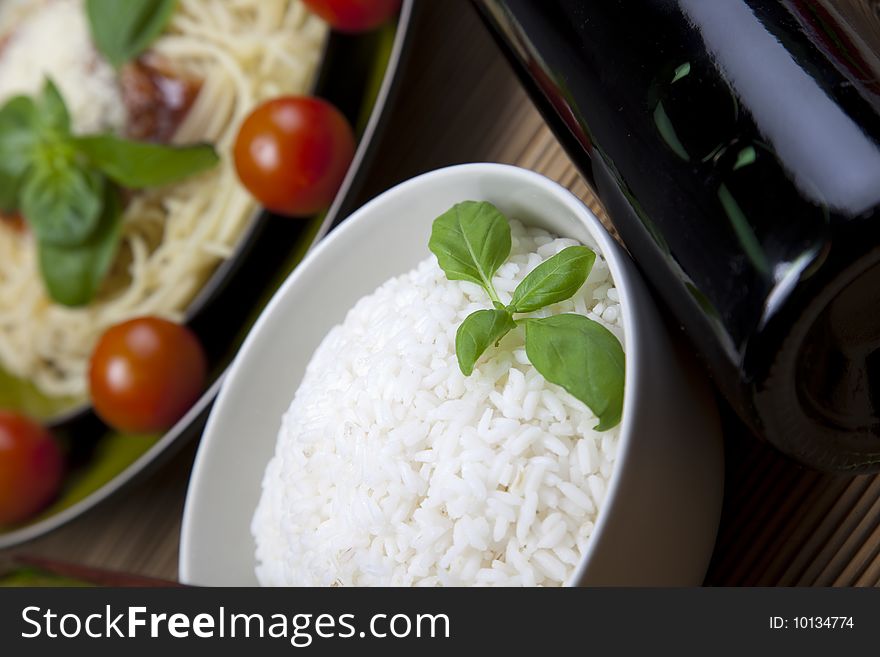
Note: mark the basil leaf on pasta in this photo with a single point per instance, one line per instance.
(62, 204)
(73, 274)
(136, 164)
(123, 29)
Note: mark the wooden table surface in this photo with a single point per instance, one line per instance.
(460, 102)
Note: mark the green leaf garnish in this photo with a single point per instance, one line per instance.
(62, 203)
(554, 280)
(18, 136)
(477, 333)
(53, 112)
(137, 164)
(10, 185)
(123, 29)
(66, 188)
(73, 274)
(17, 143)
(583, 357)
(471, 241)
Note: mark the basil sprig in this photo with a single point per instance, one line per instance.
(67, 188)
(123, 29)
(471, 241)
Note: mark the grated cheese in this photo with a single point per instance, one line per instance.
(51, 38)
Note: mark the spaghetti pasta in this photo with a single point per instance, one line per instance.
(243, 52)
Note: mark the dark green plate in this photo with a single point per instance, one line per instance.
(26, 577)
(358, 75)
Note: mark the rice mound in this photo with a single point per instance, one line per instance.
(392, 468)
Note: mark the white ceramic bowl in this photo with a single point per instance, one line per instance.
(658, 523)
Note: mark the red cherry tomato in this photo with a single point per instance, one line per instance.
(30, 468)
(145, 374)
(354, 15)
(292, 154)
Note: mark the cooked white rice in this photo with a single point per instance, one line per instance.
(392, 468)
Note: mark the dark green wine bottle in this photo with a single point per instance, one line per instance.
(735, 145)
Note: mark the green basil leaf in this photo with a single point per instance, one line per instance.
(62, 203)
(477, 333)
(31, 133)
(53, 112)
(122, 30)
(554, 280)
(10, 184)
(19, 135)
(471, 241)
(73, 274)
(583, 357)
(136, 164)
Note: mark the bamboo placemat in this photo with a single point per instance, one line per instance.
(460, 102)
